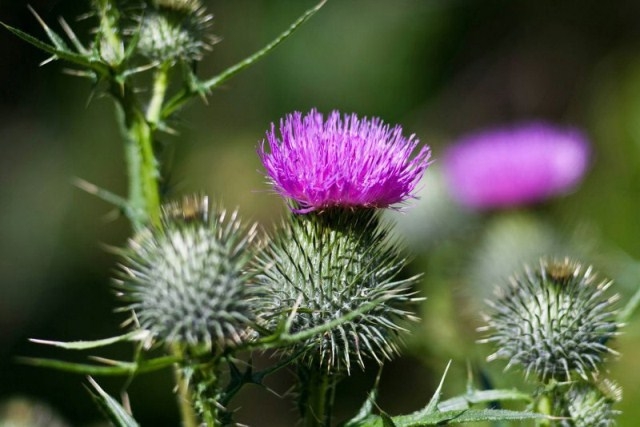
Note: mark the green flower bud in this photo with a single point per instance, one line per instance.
(172, 30)
(186, 282)
(323, 266)
(553, 321)
(588, 405)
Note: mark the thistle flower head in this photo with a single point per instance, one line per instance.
(186, 282)
(341, 161)
(172, 30)
(323, 268)
(517, 165)
(554, 321)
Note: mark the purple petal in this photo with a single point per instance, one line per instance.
(517, 165)
(341, 161)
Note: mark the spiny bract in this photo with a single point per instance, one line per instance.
(324, 266)
(186, 282)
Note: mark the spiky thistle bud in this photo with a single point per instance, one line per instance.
(172, 30)
(324, 266)
(587, 404)
(186, 282)
(554, 321)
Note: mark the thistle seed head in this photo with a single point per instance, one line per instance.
(186, 282)
(324, 266)
(554, 321)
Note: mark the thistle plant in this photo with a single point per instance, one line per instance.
(326, 291)
(333, 258)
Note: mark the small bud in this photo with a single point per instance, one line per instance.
(588, 405)
(554, 321)
(186, 282)
(172, 30)
(324, 266)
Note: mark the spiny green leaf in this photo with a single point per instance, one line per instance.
(200, 88)
(387, 421)
(481, 396)
(57, 41)
(464, 416)
(66, 55)
(120, 202)
(117, 368)
(231, 71)
(138, 335)
(435, 399)
(448, 418)
(112, 409)
(366, 411)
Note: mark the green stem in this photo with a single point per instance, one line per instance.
(544, 406)
(142, 168)
(206, 393)
(187, 414)
(316, 402)
(197, 387)
(160, 84)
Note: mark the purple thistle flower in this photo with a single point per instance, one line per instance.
(516, 165)
(345, 162)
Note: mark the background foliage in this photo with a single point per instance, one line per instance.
(439, 68)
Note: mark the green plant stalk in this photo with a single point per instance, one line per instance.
(544, 406)
(197, 388)
(187, 414)
(185, 403)
(160, 84)
(142, 167)
(205, 392)
(316, 396)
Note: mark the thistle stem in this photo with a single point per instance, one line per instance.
(544, 406)
(197, 388)
(160, 84)
(187, 414)
(144, 197)
(316, 402)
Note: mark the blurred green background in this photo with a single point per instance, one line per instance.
(438, 67)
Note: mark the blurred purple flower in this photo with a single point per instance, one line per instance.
(347, 162)
(515, 165)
